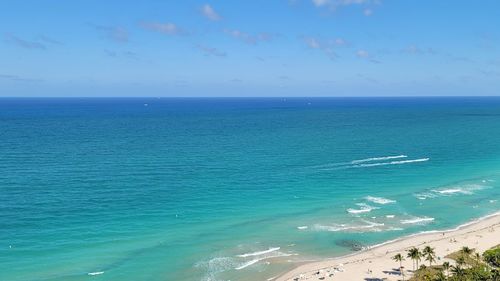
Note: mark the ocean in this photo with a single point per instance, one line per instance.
(232, 188)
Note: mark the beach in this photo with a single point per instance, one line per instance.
(376, 263)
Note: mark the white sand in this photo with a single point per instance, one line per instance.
(480, 235)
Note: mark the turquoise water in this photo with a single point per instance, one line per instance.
(209, 189)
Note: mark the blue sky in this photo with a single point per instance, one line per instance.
(249, 48)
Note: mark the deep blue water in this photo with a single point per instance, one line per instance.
(193, 189)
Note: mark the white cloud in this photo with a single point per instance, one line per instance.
(336, 4)
(326, 46)
(362, 54)
(250, 38)
(319, 3)
(165, 28)
(415, 50)
(210, 13)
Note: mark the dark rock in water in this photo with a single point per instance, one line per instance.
(351, 244)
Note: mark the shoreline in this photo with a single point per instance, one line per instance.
(376, 262)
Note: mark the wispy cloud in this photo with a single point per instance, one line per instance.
(367, 78)
(210, 13)
(326, 46)
(49, 40)
(164, 28)
(210, 51)
(114, 33)
(415, 50)
(16, 78)
(119, 54)
(363, 54)
(336, 4)
(26, 44)
(250, 38)
(367, 12)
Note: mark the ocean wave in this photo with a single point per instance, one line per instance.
(215, 266)
(302, 227)
(465, 189)
(367, 226)
(379, 200)
(259, 253)
(417, 220)
(254, 261)
(365, 208)
(95, 273)
(425, 195)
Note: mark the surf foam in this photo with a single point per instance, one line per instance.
(365, 208)
(417, 220)
(259, 253)
(378, 159)
(390, 163)
(379, 200)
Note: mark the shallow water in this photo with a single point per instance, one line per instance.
(232, 189)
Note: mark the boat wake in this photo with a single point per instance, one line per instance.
(369, 162)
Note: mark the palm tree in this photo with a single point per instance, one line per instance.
(412, 254)
(430, 258)
(399, 258)
(418, 256)
(429, 254)
(446, 266)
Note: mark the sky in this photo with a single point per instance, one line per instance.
(232, 48)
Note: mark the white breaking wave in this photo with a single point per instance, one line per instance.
(466, 189)
(379, 200)
(417, 220)
(368, 226)
(391, 163)
(365, 208)
(378, 159)
(425, 195)
(270, 250)
(95, 273)
(254, 261)
(302, 227)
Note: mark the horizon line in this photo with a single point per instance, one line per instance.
(236, 97)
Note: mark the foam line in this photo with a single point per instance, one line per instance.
(390, 163)
(270, 250)
(378, 159)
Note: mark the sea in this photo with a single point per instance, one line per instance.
(158, 189)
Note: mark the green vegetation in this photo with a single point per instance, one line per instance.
(492, 256)
(468, 266)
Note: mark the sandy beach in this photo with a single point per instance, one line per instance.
(376, 263)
